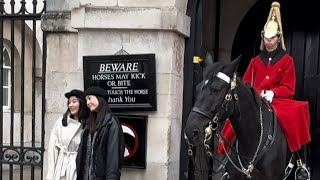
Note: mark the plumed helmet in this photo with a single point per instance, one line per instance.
(273, 26)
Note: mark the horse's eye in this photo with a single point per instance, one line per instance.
(215, 88)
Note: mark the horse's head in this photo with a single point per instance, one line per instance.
(211, 106)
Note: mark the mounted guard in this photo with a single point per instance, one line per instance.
(272, 75)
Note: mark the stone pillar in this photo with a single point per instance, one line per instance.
(99, 27)
(63, 73)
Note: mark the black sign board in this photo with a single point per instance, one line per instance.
(129, 80)
(134, 129)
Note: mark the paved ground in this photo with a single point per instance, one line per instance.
(26, 174)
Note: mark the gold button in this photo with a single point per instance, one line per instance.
(267, 77)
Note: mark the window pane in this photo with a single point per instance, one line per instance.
(6, 76)
(5, 97)
(6, 58)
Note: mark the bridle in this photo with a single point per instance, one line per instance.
(224, 107)
(213, 127)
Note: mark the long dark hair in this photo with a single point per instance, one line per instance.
(96, 118)
(83, 113)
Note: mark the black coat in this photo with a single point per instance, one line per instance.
(108, 150)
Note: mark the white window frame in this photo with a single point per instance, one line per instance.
(8, 87)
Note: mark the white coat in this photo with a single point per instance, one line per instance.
(62, 150)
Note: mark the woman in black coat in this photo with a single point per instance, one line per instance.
(101, 150)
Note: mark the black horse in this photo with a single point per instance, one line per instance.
(260, 151)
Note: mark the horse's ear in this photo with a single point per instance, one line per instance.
(208, 61)
(233, 66)
(235, 63)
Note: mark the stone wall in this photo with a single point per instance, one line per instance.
(78, 28)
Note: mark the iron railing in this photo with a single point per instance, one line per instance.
(28, 152)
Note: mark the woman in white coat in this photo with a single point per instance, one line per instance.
(65, 138)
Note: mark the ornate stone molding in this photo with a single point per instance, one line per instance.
(57, 21)
(148, 18)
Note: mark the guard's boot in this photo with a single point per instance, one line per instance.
(302, 172)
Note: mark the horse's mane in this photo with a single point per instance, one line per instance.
(254, 93)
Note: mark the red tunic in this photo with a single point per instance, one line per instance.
(278, 76)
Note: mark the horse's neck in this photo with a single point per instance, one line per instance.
(247, 124)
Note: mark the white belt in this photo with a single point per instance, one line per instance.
(64, 160)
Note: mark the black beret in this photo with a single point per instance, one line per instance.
(75, 92)
(97, 91)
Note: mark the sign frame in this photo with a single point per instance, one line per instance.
(146, 101)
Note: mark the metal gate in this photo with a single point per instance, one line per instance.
(22, 78)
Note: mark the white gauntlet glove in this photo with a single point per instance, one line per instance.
(268, 96)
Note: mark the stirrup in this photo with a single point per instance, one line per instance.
(302, 167)
(225, 176)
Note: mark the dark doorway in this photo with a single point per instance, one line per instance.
(191, 77)
(302, 38)
(203, 30)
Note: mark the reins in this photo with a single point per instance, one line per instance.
(214, 127)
